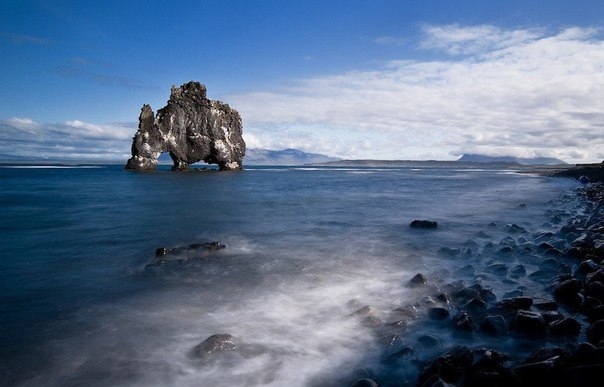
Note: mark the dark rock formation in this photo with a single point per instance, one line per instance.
(423, 224)
(199, 248)
(190, 128)
(221, 342)
(173, 257)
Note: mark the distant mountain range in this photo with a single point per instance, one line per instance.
(256, 156)
(474, 158)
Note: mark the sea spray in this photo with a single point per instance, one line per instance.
(305, 249)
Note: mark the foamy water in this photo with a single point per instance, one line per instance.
(306, 247)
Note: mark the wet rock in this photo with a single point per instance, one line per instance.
(494, 325)
(508, 242)
(566, 291)
(472, 244)
(438, 313)
(499, 269)
(546, 305)
(429, 342)
(516, 303)
(594, 308)
(451, 252)
(585, 267)
(436, 382)
(170, 256)
(449, 367)
(396, 349)
(595, 333)
(506, 250)
(367, 317)
(407, 312)
(566, 326)
(190, 128)
(545, 246)
(465, 271)
(476, 307)
(463, 322)
(595, 276)
(443, 298)
(463, 295)
(221, 342)
(528, 247)
(542, 275)
(549, 372)
(418, 280)
(489, 369)
(518, 271)
(426, 301)
(514, 228)
(365, 382)
(583, 241)
(529, 323)
(594, 289)
(550, 264)
(513, 293)
(423, 224)
(195, 247)
(393, 328)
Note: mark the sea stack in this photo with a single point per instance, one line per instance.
(191, 128)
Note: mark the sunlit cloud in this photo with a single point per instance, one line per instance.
(512, 92)
(23, 138)
(457, 40)
(523, 92)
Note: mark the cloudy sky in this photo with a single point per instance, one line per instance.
(381, 79)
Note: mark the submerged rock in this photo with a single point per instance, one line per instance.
(191, 128)
(194, 247)
(178, 255)
(427, 224)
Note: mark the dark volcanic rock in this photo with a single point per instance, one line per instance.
(194, 247)
(217, 343)
(190, 128)
(423, 224)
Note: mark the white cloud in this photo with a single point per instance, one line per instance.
(457, 40)
(25, 124)
(513, 92)
(73, 140)
(88, 130)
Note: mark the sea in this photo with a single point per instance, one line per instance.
(85, 301)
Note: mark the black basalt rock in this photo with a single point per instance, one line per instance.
(220, 342)
(426, 224)
(191, 128)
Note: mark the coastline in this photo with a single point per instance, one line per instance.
(594, 172)
(559, 340)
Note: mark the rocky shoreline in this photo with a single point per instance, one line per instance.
(464, 333)
(557, 340)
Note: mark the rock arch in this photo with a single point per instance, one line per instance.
(191, 128)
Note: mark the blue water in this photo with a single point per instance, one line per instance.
(83, 304)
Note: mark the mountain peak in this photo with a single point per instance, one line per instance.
(289, 156)
(476, 158)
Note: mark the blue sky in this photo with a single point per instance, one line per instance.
(382, 79)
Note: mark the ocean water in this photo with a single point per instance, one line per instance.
(85, 302)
